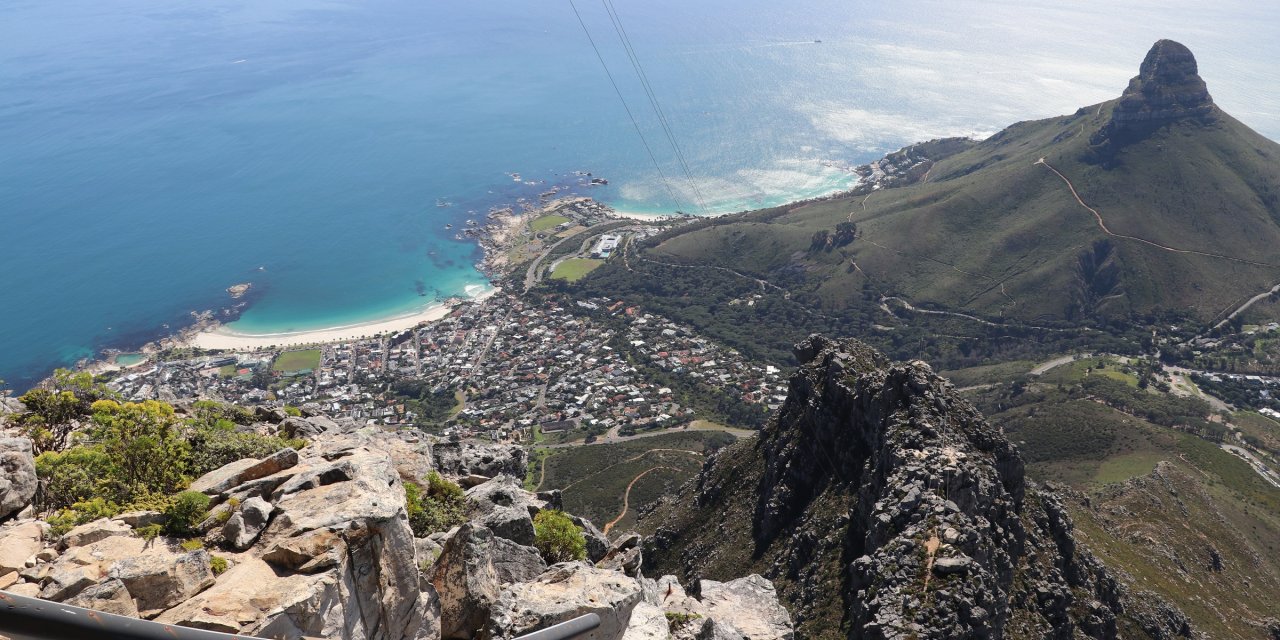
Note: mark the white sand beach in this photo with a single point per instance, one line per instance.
(636, 215)
(226, 339)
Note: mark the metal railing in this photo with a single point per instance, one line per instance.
(23, 618)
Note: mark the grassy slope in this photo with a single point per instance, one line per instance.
(1156, 504)
(990, 217)
(595, 477)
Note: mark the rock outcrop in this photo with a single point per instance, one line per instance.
(316, 542)
(884, 506)
(17, 475)
(1167, 89)
(472, 568)
(459, 459)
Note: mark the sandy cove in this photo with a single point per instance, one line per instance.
(222, 338)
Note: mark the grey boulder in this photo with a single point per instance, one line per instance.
(17, 475)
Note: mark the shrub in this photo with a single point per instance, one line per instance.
(149, 532)
(80, 513)
(219, 565)
(72, 476)
(292, 411)
(439, 506)
(194, 544)
(216, 444)
(557, 537)
(52, 414)
(185, 512)
(145, 444)
(676, 619)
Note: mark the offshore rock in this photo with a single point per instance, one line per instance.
(1168, 88)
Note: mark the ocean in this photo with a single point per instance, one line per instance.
(153, 154)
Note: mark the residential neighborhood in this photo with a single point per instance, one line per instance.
(515, 368)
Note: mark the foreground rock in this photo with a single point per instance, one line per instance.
(750, 604)
(340, 550)
(317, 543)
(564, 592)
(470, 572)
(506, 508)
(17, 475)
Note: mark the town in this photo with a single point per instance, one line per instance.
(510, 368)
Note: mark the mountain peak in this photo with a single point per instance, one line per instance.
(1168, 88)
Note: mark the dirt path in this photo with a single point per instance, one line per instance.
(931, 547)
(542, 474)
(631, 459)
(626, 497)
(1103, 225)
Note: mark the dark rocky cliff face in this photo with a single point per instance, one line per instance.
(1167, 89)
(884, 506)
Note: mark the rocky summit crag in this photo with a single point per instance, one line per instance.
(884, 506)
(1168, 88)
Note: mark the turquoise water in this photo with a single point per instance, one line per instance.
(153, 154)
(129, 359)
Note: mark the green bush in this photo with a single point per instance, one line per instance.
(80, 513)
(146, 447)
(131, 452)
(71, 476)
(149, 532)
(219, 565)
(185, 512)
(52, 414)
(557, 538)
(216, 444)
(440, 506)
(675, 619)
(292, 411)
(194, 544)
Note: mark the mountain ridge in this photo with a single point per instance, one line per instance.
(884, 506)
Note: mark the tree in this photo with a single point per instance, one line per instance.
(145, 444)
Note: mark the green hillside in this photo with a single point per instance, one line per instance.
(1191, 211)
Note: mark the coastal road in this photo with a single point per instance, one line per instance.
(531, 275)
(1261, 468)
(1248, 303)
